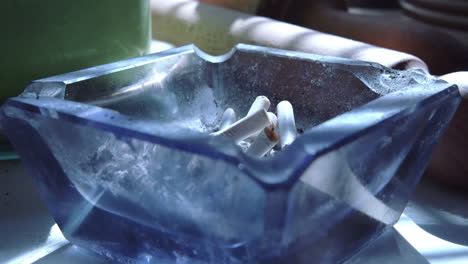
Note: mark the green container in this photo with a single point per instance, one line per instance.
(41, 38)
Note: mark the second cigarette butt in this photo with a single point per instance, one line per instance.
(246, 127)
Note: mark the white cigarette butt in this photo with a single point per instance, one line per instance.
(261, 102)
(273, 119)
(266, 140)
(286, 124)
(246, 127)
(229, 117)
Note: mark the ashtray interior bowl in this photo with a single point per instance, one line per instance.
(122, 154)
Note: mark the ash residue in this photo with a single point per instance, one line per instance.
(385, 81)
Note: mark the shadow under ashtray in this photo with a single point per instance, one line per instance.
(441, 211)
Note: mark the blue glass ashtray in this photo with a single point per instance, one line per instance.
(122, 155)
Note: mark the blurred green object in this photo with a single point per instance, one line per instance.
(50, 37)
